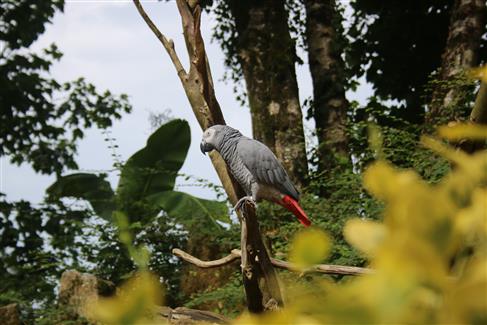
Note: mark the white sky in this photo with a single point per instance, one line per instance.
(108, 43)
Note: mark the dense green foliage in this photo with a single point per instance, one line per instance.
(42, 119)
(41, 122)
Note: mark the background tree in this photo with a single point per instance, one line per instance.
(255, 36)
(462, 51)
(329, 107)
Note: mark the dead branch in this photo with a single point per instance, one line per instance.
(167, 43)
(206, 264)
(237, 254)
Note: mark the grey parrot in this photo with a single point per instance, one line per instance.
(255, 167)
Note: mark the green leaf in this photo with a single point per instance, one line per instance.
(190, 210)
(93, 188)
(154, 168)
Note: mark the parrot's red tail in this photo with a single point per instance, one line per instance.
(293, 206)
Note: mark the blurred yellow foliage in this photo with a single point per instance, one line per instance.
(429, 254)
(479, 73)
(133, 304)
(459, 131)
(310, 246)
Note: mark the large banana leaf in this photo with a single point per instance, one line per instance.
(154, 168)
(190, 210)
(146, 183)
(93, 188)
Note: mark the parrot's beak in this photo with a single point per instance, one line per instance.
(202, 147)
(205, 147)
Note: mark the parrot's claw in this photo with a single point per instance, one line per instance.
(242, 201)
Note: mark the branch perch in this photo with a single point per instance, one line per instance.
(236, 254)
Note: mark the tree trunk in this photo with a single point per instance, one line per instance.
(327, 71)
(267, 55)
(467, 24)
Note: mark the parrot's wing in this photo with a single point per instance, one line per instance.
(264, 166)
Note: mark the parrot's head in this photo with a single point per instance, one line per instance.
(214, 136)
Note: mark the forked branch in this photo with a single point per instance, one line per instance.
(167, 43)
(236, 254)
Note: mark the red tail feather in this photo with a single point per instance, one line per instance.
(293, 206)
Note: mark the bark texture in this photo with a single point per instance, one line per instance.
(327, 71)
(10, 315)
(267, 55)
(467, 24)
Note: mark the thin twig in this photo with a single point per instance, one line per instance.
(167, 43)
(236, 254)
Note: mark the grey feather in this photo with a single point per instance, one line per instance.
(249, 160)
(264, 166)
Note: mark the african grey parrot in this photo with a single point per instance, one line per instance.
(255, 167)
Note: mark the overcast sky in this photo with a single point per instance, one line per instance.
(108, 43)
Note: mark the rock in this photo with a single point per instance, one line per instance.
(78, 290)
(10, 315)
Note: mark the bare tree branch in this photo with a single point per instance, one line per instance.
(167, 43)
(236, 254)
(197, 83)
(206, 264)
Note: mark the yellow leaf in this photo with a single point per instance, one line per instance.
(459, 131)
(365, 235)
(472, 221)
(379, 179)
(309, 247)
(458, 157)
(479, 73)
(133, 304)
(375, 140)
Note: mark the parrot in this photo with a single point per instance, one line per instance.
(255, 167)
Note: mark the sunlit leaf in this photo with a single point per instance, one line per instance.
(459, 131)
(309, 247)
(133, 304)
(375, 140)
(365, 235)
(449, 153)
(479, 73)
(472, 221)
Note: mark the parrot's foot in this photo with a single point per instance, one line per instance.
(242, 201)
